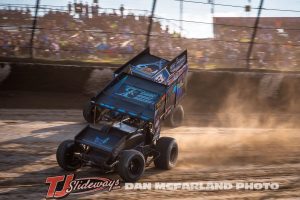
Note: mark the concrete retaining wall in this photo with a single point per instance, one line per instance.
(208, 91)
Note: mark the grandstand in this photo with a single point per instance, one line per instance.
(63, 34)
(277, 42)
(90, 33)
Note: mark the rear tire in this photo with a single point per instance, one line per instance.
(175, 118)
(131, 165)
(89, 113)
(168, 150)
(65, 156)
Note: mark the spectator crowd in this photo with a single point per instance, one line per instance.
(89, 34)
(83, 32)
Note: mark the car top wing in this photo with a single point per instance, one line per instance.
(155, 68)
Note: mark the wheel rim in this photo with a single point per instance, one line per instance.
(134, 167)
(94, 114)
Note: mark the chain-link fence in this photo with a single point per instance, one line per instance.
(88, 32)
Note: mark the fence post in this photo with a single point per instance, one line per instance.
(150, 24)
(254, 35)
(37, 5)
(180, 15)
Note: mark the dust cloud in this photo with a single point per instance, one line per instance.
(249, 124)
(5, 70)
(97, 80)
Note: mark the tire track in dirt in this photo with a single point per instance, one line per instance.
(27, 157)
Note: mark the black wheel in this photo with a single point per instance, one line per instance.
(176, 117)
(65, 156)
(168, 150)
(131, 165)
(89, 113)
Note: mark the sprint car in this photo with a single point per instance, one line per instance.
(144, 92)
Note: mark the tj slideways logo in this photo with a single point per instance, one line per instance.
(62, 186)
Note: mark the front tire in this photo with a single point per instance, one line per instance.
(65, 156)
(131, 165)
(168, 150)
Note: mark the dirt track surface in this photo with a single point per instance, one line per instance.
(210, 153)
